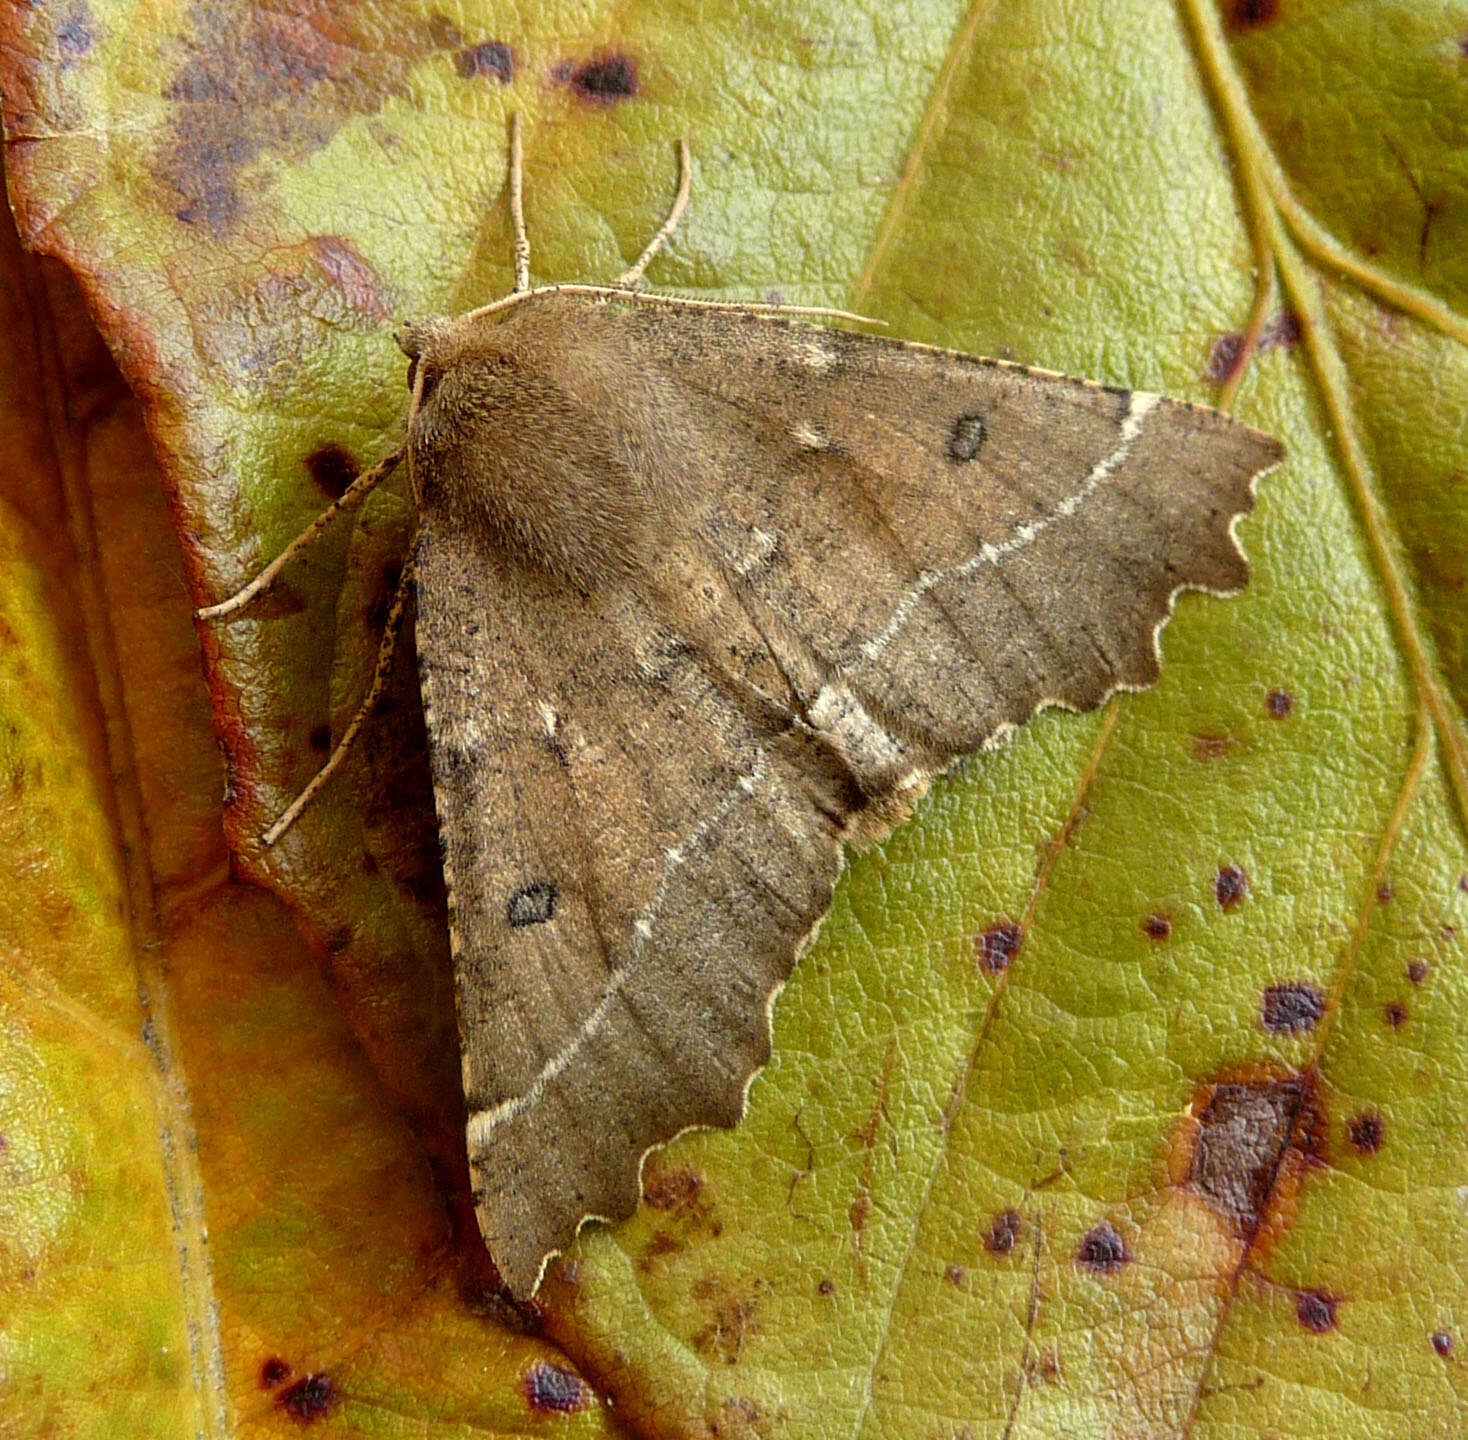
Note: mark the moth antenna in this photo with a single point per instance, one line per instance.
(629, 278)
(385, 650)
(517, 206)
(353, 495)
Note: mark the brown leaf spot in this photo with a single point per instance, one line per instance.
(1384, 894)
(1102, 1251)
(1417, 971)
(1396, 1014)
(1365, 1131)
(490, 57)
(1250, 1142)
(1463, 882)
(733, 1312)
(998, 946)
(1252, 14)
(1156, 927)
(1211, 745)
(311, 1398)
(1442, 1342)
(1284, 330)
(955, 1275)
(826, 1287)
(1292, 1007)
(1315, 1310)
(1278, 704)
(273, 1371)
(554, 1389)
(1230, 886)
(604, 79)
(1003, 1233)
(350, 275)
(672, 1190)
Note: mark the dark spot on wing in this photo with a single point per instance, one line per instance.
(1230, 886)
(1365, 1131)
(998, 946)
(333, 468)
(966, 438)
(549, 1387)
(1292, 1007)
(1156, 927)
(1252, 14)
(339, 939)
(533, 904)
(274, 1371)
(604, 79)
(1278, 704)
(490, 57)
(1003, 1233)
(1102, 1251)
(1442, 1342)
(1396, 1014)
(1315, 1310)
(320, 738)
(313, 1398)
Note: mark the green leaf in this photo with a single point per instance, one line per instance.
(1123, 1091)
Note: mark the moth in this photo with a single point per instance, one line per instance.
(705, 592)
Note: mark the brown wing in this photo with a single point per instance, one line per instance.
(634, 851)
(960, 540)
(891, 554)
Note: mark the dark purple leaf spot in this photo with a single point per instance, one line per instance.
(320, 738)
(1365, 1131)
(1315, 1310)
(1442, 1342)
(492, 57)
(1102, 1251)
(604, 79)
(313, 1398)
(826, 1287)
(77, 33)
(1283, 330)
(1156, 927)
(1463, 883)
(1252, 14)
(1224, 356)
(1292, 1008)
(551, 1388)
(333, 468)
(955, 1275)
(1396, 1014)
(1003, 1233)
(1230, 886)
(998, 946)
(273, 1372)
(1417, 971)
(1278, 704)
(1384, 894)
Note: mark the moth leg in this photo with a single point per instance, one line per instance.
(517, 206)
(353, 495)
(385, 650)
(628, 278)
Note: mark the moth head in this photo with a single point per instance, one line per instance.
(421, 342)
